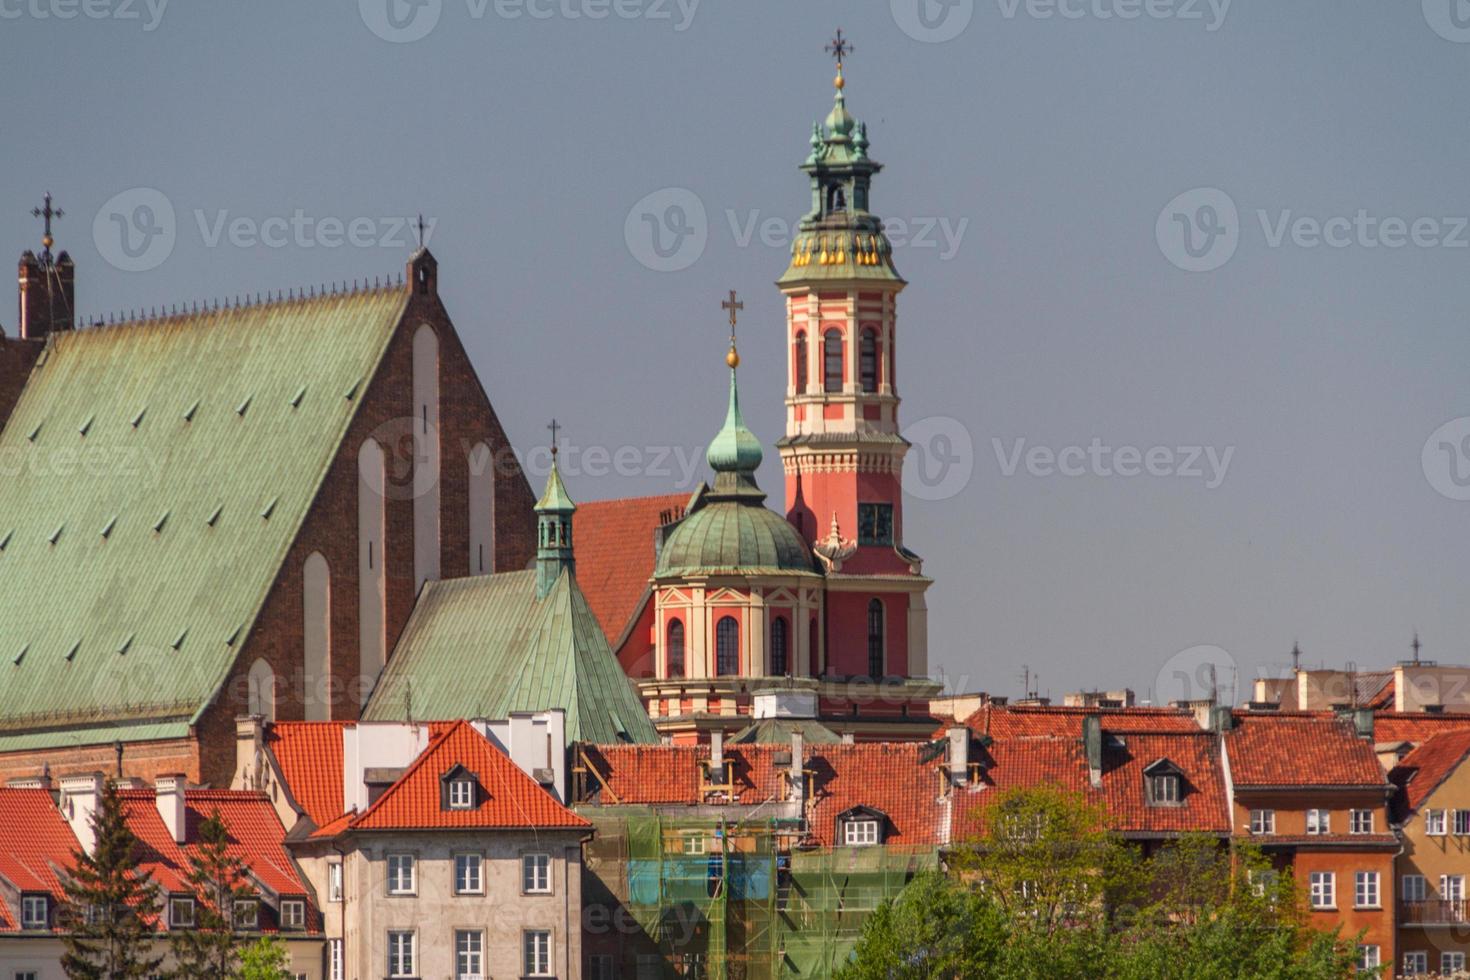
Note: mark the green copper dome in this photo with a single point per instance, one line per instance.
(735, 448)
(733, 536)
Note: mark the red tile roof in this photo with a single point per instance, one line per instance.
(614, 541)
(310, 756)
(1392, 726)
(1270, 750)
(1420, 773)
(1017, 721)
(512, 799)
(35, 843)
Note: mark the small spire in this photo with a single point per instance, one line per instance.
(1415, 646)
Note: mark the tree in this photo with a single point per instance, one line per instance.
(111, 909)
(264, 959)
(217, 880)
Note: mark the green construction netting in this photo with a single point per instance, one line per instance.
(705, 897)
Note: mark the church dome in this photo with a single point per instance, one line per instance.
(733, 536)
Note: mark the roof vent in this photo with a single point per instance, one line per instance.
(270, 508)
(234, 635)
(5, 541)
(214, 515)
(158, 524)
(20, 655)
(179, 640)
(35, 432)
(87, 425)
(55, 535)
(189, 412)
(137, 420)
(244, 406)
(73, 651)
(126, 644)
(1434, 709)
(296, 398)
(107, 528)
(352, 392)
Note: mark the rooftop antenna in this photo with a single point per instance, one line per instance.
(1296, 656)
(1214, 684)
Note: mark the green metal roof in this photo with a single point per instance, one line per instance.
(733, 536)
(156, 474)
(485, 646)
(778, 731)
(555, 499)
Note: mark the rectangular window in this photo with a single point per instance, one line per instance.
(1368, 958)
(33, 912)
(334, 959)
(469, 954)
(25, 975)
(694, 845)
(1452, 888)
(536, 874)
(860, 833)
(467, 874)
(537, 947)
(1451, 963)
(1365, 889)
(461, 794)
(1416, 962)
(1319, 821)
(181, 913)
(1324, 889)
(1361, 821)
(400, 874)
(1434, 823)
(246, 914)
(402, 953)
(334, 881)
(1263, 821)
(875, 524)
(293, 914)
(1461, 823)
(600, 967)
(1263, 881)
(1163, 789)
(1413, 888)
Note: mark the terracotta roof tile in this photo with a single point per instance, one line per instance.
(1008, 721)
(614, 541)
(310, 756)
(1270, 750)
(1420, 773)
(511, 798)
(35, 843)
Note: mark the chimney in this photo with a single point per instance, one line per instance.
(959, 755)
(797, 774)
(249, 752)
(40, 781)
(1092, 741)
(79, 798)
(717, 756)
(168, 794)
(47, 294)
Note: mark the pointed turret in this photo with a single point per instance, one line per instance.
(553, 529)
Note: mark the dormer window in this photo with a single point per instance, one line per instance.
(861, 826)
(459, 790)
(247, 914)
(34, 912)
(180, 912)
(461, 794)
(1163, 784)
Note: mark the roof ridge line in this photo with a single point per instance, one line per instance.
(154, 314)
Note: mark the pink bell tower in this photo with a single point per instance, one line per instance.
(842, 453)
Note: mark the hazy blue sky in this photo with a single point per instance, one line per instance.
(1049, 138)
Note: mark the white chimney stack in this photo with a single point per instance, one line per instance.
(959, 756)
(168, 795)
(79, 797)
(798, 774)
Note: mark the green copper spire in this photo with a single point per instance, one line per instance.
(553, 527)
(735, 449)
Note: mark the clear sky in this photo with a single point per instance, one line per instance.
(1071, 161)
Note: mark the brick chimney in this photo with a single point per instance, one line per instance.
(168, 796)
(47, 291)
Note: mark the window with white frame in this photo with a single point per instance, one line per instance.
(402, 953)
(1263, 821)
(1360, 821)
(1451, 963)
(1319, 821)
(461, 794)
(334, 959)
(1434, 823)
(694, 844)
(468, 874)
(1452, 888)
(246, 914)
(1460, 823)
(1368, 958)
(1413, 888)
(1163, 789)
(25, 975)
(334, 881)
(1323, 889)
(469, 953)
(1365, 890)
(536, 874)
(293, 913)
(180, 912)
(536, 945)
(1416, 962)
(862, 832)
(400, 874)
(33, 909)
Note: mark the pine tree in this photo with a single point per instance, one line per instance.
(217, 880)
(111, 909)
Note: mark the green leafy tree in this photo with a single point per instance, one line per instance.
(264, 959)
(217, 880)
(111, 910)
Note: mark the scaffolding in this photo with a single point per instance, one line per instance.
(709, 896)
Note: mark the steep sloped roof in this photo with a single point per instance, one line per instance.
(1420, 773)
(509, 798)
(309, 754)
(35, 844)
(162, 471)
(485, 646)
(1295, 751)
(614, 540)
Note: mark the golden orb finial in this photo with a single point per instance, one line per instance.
(47, 241)
(839, 82)
(733, 357)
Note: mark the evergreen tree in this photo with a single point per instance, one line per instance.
(217, 880)
(111, 910)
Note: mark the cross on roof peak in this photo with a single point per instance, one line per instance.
(555, 427)
(839, 47)
(47, 213)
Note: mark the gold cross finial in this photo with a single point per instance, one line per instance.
(555, 427)
(734, 306)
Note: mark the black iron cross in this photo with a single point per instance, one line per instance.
(555, 427)
(839, 48)
(734, 306)
(421, 230)
(47, 213)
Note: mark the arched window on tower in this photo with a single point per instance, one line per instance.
(832, 360)
(868, 361)
(836, 199)
(800, 363)
(674, 648)
(727, 647)
(260, 690)
(780, 647)
(875, 638)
